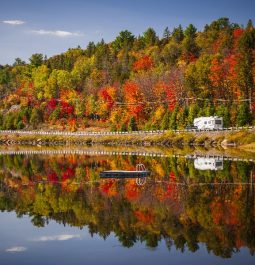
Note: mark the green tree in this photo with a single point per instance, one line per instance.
(150, 37)
(18, 61)
(182, 118)
(166, 35)
(193, 113)
(9, 122)
(36, 59)
(55, 115)
(1, 121)
(123, 127)
(125, 40)
(40, 77)
(173, 119)
(189, 42)
(223, 111)
(51, 90)
(243, 115)
(171, 52)
(36, 118)
(165, 121)
(178, 34)
(132, 126)
(91, 48)
(209, 108)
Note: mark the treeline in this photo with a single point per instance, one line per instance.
(143, 82)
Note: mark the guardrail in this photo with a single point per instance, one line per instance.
(88, 133)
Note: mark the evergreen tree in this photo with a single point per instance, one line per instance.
(19, 61)
(189, 44)
(190, 31)
(166, 35)
(243, 115)
(226, 117)
(91, 48)
(123, 127)
(36, 118)
(209, 109)
(178, 34)
(1, 121)
(36, 59)
(55, 115)
(132, 126)
(20, 125)
(223, 111)
(173, 119)
(193, 113)
(150, 37)
(182, 117)
(165, 121)
(124, 40)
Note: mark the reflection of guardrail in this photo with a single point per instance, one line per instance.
(82, 133)
(110, 153)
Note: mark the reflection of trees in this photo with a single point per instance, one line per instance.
(60, 188)
(38, 220)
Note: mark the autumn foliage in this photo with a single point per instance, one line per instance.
(145, 63)
(150, 81)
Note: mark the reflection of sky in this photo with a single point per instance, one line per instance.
(58, 244)
(56, 238)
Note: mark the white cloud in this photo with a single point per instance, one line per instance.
(57, 33)
(13, 22)
(56, 238)
(16, 249)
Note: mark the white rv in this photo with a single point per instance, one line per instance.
(208, 163)
(211, 123)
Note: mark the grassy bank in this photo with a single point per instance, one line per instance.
(169, 139)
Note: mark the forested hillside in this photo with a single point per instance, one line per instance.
(145, 82)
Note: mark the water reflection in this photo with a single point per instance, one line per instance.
(178, 203)
(208, 163)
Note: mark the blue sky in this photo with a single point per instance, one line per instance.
(52, 26)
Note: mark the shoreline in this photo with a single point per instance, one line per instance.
(243, 139)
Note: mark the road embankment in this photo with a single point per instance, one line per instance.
(240, 139)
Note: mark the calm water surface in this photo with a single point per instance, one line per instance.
(55, 209)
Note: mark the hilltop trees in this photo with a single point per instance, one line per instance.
(36, 60)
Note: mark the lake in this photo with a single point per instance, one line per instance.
(55, 209)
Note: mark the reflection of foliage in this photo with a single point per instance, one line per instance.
(67, 189)
(38, 220)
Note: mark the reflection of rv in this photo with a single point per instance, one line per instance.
(212, 123)
(208, 163)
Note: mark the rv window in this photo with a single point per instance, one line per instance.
(219, 164)
(205, 122)
(217, 121)
(209, 122)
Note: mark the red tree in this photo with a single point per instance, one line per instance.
(145, 63)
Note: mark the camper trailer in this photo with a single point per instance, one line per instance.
(210, 123)
(208, 163)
